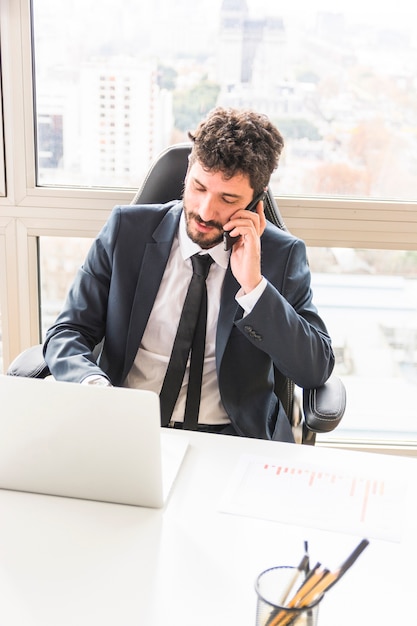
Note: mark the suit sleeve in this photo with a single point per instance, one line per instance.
(286, 325)
(69, 343)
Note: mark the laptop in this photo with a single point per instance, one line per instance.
(89, 442)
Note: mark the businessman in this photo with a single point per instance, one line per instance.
(130, 291)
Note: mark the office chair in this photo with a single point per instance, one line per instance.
(320, 410)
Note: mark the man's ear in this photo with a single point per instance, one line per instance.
(186, 177)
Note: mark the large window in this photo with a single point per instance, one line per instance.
(339, 83)
(93, 90)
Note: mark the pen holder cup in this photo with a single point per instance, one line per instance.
(273, 586)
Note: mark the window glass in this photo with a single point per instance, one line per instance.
(2, 301)
(59, 260)
(368, 299)
(117, 82)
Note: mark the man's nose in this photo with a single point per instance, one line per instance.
(207, 209)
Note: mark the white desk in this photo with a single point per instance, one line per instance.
(70, 562)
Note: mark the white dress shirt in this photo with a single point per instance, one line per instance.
(151, 362)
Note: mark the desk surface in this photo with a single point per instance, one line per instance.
(71, 562)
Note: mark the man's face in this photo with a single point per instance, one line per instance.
(209, 202)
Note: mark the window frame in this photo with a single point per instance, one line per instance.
(2, 161)
(28, 212)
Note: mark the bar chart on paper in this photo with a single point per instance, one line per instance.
(333, 498)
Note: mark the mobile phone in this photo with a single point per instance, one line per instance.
(227, 239)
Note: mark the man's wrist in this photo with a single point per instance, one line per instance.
(248, 300)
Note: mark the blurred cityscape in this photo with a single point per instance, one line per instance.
(112, 93)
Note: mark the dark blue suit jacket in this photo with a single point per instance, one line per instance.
(114, 291)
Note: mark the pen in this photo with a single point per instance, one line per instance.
(294, 579)
(307, 566)
(350, 560)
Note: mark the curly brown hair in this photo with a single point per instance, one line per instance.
(238, 141)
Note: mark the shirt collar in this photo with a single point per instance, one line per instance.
(188, 247)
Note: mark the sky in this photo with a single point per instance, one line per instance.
(398, 12)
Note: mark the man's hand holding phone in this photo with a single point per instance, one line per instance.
(248, 224)
(228, 240)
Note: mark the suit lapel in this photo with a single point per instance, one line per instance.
(153, 265)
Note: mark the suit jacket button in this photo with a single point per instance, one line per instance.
(253, 333)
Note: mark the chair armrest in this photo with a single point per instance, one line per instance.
(29, 364)
(324, 407)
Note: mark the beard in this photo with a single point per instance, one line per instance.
(204, 240)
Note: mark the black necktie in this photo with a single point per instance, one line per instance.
(191, 335)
